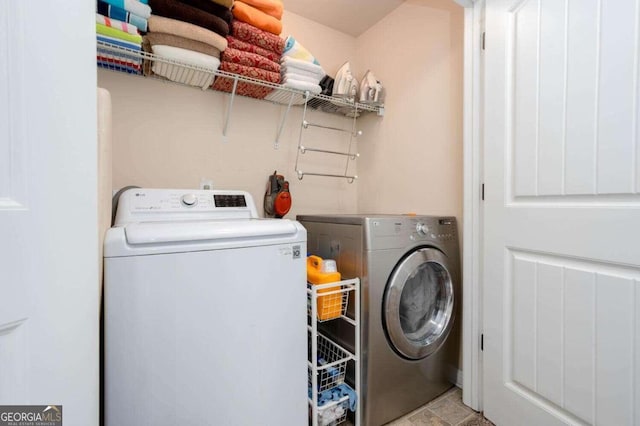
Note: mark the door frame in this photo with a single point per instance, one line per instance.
(472, 205)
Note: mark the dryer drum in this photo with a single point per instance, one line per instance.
(418, 304)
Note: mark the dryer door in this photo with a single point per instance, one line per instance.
(418, 304)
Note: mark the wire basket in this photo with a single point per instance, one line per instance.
(330, 306)
(331, 362)
(333, 413)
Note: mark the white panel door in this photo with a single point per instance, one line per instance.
(562, 212)
(48, 214)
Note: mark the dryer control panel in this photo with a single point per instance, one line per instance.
(390, 232)
(442, 229)
(156, 205)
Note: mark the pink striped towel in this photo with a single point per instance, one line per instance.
(114, 23)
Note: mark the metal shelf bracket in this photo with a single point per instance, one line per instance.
(276, 144)
(230, 108)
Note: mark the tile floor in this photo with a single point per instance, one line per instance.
(446, 410)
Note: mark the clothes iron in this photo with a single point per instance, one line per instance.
(371, 90)
(345, 85)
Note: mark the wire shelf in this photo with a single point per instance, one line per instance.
(117, 58)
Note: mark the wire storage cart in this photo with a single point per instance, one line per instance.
(330, 398)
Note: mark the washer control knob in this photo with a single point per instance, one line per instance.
(189, 200)
(421, 228)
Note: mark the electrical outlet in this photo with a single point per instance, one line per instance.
(206, 183)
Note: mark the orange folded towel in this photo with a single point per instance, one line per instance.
(252, 16)
(270, 7)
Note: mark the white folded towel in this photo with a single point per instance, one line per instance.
(292, 64)
(298, 73)
(184, 75)
(299, 77)
(303, 85)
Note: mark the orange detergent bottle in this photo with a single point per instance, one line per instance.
(321, 271)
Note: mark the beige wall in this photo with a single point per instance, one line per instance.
(167, 135)
(412, 158)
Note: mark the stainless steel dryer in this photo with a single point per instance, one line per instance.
(410, 304)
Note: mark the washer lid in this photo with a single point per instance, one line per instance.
(418, 304)
(169, 232)
(160, 221)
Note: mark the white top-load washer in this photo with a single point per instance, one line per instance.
(205, 312)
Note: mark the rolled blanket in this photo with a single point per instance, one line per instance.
(184, 75)
(133, 6)
(118, 13)
(293, 49)
(114, 23)
(249, 59)
(305, 86)
(234, 43)
(270, 7)
(301, 67)
(186, 30)
(256, 17)
(250, 34)
(183, 12)
(116, 33)
(225, 3)
(212, 8)
(153, 38)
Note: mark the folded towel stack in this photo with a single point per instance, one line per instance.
(188, 32)
(121, 34)
(300, 69)
(252, 52)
